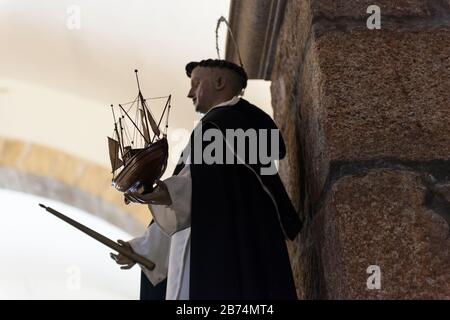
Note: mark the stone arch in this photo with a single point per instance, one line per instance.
(47, 172)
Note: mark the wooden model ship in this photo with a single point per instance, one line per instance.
(138, 149)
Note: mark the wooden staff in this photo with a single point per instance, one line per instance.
(99, 237)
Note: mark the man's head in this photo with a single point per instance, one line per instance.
(213, 82)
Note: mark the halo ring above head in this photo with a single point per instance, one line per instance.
(219, 63)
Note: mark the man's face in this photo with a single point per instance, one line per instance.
(202, 92)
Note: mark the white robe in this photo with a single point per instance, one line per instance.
(167, 241)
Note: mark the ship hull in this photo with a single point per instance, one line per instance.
(144, 168)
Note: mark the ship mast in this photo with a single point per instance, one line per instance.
(117, 132)
(122, 142)
(148, 116)
(141, 99)
(137, 128)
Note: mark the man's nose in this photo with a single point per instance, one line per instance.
(190, 93)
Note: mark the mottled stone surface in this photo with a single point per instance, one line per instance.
(444, 190)
(392, 89)
(380, 219)
(357, 8)
(367, 113)
(303, 16)
(290, 171)
(384, 88)
(286, 117)
(292, 40)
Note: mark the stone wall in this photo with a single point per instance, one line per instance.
(366, 117)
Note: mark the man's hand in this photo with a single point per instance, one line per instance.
(159, 196)
(125, 262)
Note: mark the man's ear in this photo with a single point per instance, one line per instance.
(219, 82)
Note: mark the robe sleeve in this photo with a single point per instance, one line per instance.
(154, 245)
(176, 216)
